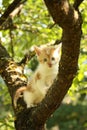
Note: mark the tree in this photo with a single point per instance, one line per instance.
(69, 19)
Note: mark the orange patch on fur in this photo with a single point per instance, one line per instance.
(38, 76)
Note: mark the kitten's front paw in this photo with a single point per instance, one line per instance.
(31, 105)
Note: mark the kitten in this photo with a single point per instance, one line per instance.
(42, 79)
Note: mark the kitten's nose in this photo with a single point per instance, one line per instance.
(49, 64)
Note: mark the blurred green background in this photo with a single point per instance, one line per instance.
(35, 26)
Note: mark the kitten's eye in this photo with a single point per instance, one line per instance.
(52, 58)
(45, 60)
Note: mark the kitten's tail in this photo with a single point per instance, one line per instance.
(18, 94)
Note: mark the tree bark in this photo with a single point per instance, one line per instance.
(34, 118)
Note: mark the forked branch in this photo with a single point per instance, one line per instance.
(77, 3)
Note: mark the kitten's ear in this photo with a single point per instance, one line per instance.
(37, 50)
(58, 48)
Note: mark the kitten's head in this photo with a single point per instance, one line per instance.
(48, 55)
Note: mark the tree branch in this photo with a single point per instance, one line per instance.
(3, 52)
(77, 3)
(9, 10)
(11, 73)
(63, 10)
(27, 57)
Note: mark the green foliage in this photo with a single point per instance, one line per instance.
(69, 117)
(33, 63)
(34, 26)
(6, 123)
(6, 3)
(6, 116)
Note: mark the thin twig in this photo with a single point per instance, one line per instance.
(28, 56)
(11, 43)
(10, 9)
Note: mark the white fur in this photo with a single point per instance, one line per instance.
(48, 74)
(38, 86)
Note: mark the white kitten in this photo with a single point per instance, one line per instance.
(48, 58)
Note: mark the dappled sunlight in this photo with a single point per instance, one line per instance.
(55, 128)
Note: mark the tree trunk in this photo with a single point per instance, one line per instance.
(34, 118)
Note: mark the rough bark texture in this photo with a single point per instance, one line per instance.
(34, 118)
